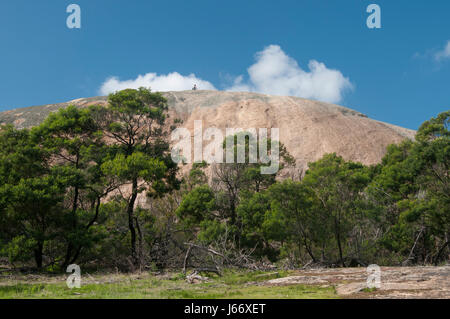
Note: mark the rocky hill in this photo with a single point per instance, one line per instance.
(308, 128)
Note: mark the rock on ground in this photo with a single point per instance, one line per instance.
(396, 282)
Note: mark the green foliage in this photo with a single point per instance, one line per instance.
(211, 231)
(413, 187)
(30, 194)
(435, 128)
(197, 205)
(338, 188)
(19, 249)
(135, 166)
(69, 193)
(134, 120)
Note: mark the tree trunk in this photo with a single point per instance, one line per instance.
(441, 250)
(80, 247)
(341, 258)
(38, 254)
(308, 249)
(68, 256)
(338, 240)
(130, 212)
(140, 241)
(71, 246)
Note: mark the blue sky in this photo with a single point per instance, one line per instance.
(394, 73)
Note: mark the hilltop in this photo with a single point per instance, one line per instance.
(308, 128)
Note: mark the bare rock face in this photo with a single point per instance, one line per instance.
(395, 282)
(309, 129)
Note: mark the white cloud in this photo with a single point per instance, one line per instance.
(276, 73)
(170, 82)
(444, 53)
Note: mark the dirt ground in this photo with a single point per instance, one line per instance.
(396, 282)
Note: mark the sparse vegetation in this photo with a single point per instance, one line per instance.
(234, 285)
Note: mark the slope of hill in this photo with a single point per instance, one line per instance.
(308, 128)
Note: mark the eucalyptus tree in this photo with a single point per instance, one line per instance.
(30, 196)
(73, 141)
(337, 186)
(133, 123)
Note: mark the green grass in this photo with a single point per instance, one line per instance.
(232, 285)
(369, 289)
